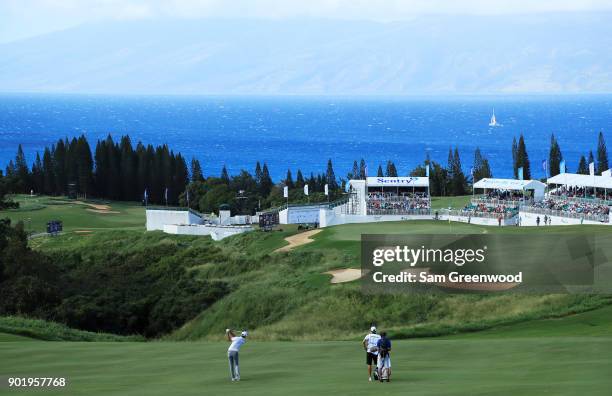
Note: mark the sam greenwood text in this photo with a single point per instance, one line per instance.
(425, 277)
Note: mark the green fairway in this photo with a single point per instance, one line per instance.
(533, 366)
(76, 215)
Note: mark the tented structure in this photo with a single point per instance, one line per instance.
(536, 186)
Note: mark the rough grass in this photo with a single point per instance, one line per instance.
(51, 331)
(286, 296)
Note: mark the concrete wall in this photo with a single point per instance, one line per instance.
(530, 220)
(216, 232)
(479, 220)
(330, 218)
(156, 218)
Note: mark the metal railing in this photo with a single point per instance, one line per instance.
(602, 218)
(590, 200)
(488, 215)
(399, 212)
(496, 201)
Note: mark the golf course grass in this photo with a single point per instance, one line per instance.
(76, 215)
(555, 359)
(305, 332)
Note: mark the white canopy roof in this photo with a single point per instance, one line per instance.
(573, 179)
(398, 181)
(509, 184)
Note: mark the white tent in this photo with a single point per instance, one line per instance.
(513, 184)
(576, 180)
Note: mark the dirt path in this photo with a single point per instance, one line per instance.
(344, 275)
(298, 240)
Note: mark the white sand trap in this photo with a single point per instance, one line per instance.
(344, 275)
(83, 231)
(102, 211)
(298, 240)
(95, 206)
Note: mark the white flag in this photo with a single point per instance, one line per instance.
(592, 169)
(326, 189)
(285, 192)
(305, 189)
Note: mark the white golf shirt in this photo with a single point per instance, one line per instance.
(236, 344)
(372, 341)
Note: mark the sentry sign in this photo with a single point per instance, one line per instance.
(398, 182)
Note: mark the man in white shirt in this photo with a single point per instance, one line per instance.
(370, 344)
(232, 351)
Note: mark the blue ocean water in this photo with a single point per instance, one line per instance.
(303, 132)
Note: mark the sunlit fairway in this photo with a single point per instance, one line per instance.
(552, 357)
(76, 215)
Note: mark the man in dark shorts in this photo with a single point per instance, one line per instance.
(370, 344)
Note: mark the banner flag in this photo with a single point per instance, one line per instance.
(166, 194)
(427, 170)
(305, 189)
(285, 192)
(592, 169)
(326, 189)
(562, 167)
(347, 187)
(520, 173)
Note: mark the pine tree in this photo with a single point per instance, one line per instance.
(22, 172)
(458, 181)
(299, 179)
(59, 165)
(266, 181)
(522, 159)
(355, 173)
(583, 167)
(258, 174)
(225, 175)
(554, 157)
(363, 171)
(514, 157)
(380, 173)
(391, 169)
(48, 175)
(481, 166)
(289, 179)
(602, 154)
(330, 176)
(37, 175)
(84, 166)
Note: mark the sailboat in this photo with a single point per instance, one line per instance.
(493, 122)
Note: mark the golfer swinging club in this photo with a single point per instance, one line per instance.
(370, 344)
(232, 351)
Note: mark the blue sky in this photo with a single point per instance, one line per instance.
(26, 18)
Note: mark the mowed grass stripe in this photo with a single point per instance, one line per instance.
(533, 366)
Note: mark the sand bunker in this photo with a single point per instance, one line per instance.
(83, 231)
(298, 240)
(94, 206)
(102, 211)
(344, 275)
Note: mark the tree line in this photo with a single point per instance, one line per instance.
(117, 170)
(552, 165)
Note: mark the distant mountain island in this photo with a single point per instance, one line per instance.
(559, 53)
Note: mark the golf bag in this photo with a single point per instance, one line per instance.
(383, 368)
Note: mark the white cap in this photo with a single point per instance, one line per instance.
(244, 333)
(373, 329)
